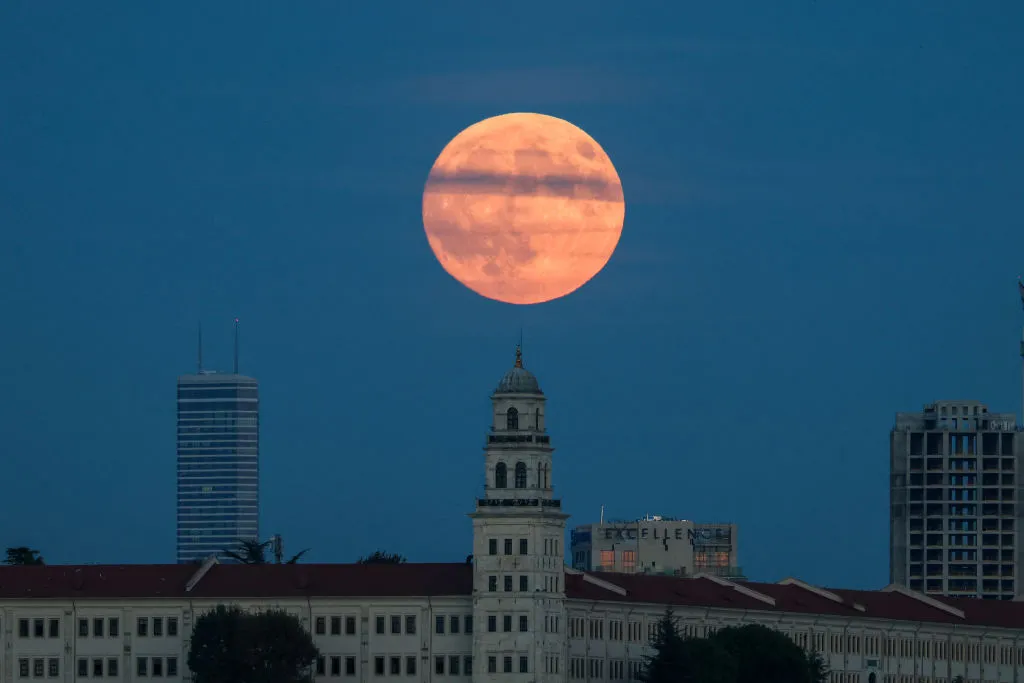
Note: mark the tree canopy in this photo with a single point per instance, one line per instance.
(737, 654)
(252, 551)
(229, 645)
(381, 557)
(23, 555)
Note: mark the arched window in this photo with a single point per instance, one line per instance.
(536, 422)
(520, 475)
(500, 476)
(512, 419)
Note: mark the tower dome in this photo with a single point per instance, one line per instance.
(518, 380)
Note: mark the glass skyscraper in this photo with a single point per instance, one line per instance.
(218, 463)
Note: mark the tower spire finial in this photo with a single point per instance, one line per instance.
(519, 355)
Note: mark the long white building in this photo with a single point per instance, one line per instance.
(515, 613)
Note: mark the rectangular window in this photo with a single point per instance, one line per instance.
(439, 624)
(158, 666)
(396, 625)
(172, 666)
(142, 629)
(492, 664)
(492, 623)
(97, 628)
(97, 668)
(54, 665)
(378, 666)
(453, 665)
(39, 629)
(396, 665)
(158, 628)
(172, 626)
(453, 624)
(607, 561)
(522, 623)
(439, 665)
(141, 666)
(23, 663)
(335, 665)
(350, 666)
(629, 561)
(83, 628)
(507, 664)
(508, 546)
(38, 667)
(112, 666)
(492, 583)
(350, 626)
(410, 624)
(522, 546)
(320, 626)
(83, 668)
(492, 546)
(321, 665)
(506, 622)
(524, 583)
(335, 626)
(113, 627)
(410, 666)
(380, 625)
(23, 630)
(55, 628)
(467, 665)
(508, 584)
(468, 624)
(523, 665)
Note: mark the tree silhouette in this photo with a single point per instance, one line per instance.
(23, 556)
(381, 557)
(229, 645)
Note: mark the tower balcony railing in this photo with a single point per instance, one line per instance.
(517, 439)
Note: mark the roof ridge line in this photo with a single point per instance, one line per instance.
(926, 599)
(822, 592)
(607, 585)
(749, 592)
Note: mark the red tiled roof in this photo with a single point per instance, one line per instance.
(234, 581)
(703, 592)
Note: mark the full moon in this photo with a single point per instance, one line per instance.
(523, 208)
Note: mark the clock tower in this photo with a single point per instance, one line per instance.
(518, 539)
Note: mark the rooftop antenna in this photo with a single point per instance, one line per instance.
(602, 515)
(236, 346)
(199, 351)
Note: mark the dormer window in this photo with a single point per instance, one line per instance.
(500, 476)
(512, 419)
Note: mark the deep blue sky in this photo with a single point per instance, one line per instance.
(823, 227)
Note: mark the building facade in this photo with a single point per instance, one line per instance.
(955, 496)
(656, 545)
(218, 463)
(512, 613)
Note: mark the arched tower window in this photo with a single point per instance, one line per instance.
(512, 418)
(520, 475)
(536, 420)
(500, 476)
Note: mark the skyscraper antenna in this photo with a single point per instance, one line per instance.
(199, 351)
(236, 346)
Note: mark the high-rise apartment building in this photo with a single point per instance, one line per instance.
(955, 501)
(218, 462)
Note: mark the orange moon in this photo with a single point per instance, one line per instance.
(523, 208)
